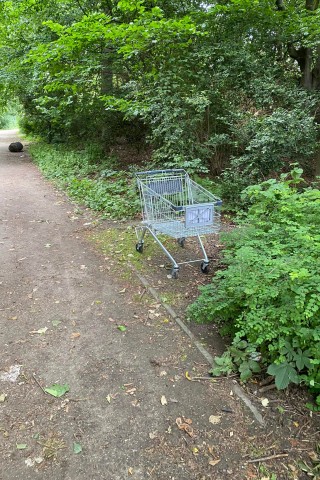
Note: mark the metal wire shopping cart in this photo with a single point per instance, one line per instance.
(174, 205)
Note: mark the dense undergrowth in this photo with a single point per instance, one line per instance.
(268, 296)
(89, 177)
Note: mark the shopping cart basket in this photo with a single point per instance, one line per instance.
(174, 205)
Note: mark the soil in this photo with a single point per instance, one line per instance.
(139, 403)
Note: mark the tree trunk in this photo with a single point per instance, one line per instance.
(317, 164)
(306, 77)
(307, 58)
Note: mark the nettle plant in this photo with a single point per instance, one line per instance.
(268, 297)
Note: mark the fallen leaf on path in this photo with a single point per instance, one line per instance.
(163, 400)
(75, 335)
(108, 397)
(13, 318)
(214, 462)
(264, 402)
(21, 446)
(314, 457)
(77, 447)
(3, 397)
(184, 424)
(215, 419)
(57, 390)
(188, 376)
(122, 328)
(130, 471)
(41, 331)
(123, 290)
(55, 323)
(131, 391)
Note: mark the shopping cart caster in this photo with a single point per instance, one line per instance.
(139, 247)
(204, 267)
(181, 241)
(175, 273)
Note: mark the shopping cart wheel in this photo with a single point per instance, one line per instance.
(181, 241)
(139, 247)
(204, 267)
(174, 273)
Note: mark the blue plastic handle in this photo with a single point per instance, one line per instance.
(155, 172)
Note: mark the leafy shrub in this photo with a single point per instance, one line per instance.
(89, 178)
(269, 294)
(115, 198)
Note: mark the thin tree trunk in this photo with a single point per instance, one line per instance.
(306, 78)
(317, 164)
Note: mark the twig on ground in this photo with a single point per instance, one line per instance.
(39, 385)
(78, 399)
(267, 388)
(142, 293)
(271, 457)
(194, 379)
(266, 381)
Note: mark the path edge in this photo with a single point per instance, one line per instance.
(236, 388)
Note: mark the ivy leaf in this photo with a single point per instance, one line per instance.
(284, 373)
(57, 390)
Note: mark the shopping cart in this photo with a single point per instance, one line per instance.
(174, 205)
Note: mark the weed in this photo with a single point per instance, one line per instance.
(51, 446)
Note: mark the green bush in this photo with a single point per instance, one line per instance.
(89, 178)
(268, 297)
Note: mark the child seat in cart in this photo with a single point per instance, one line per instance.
(174, 205)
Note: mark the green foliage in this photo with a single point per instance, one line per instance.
(269, 293)
(212, 88)
(89, 179)
(241, 357)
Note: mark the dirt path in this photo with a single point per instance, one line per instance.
(130, 404)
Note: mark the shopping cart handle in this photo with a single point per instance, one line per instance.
(155, 172)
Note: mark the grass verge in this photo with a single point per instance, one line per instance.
(89, 177)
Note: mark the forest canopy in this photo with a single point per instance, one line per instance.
(229, 88)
